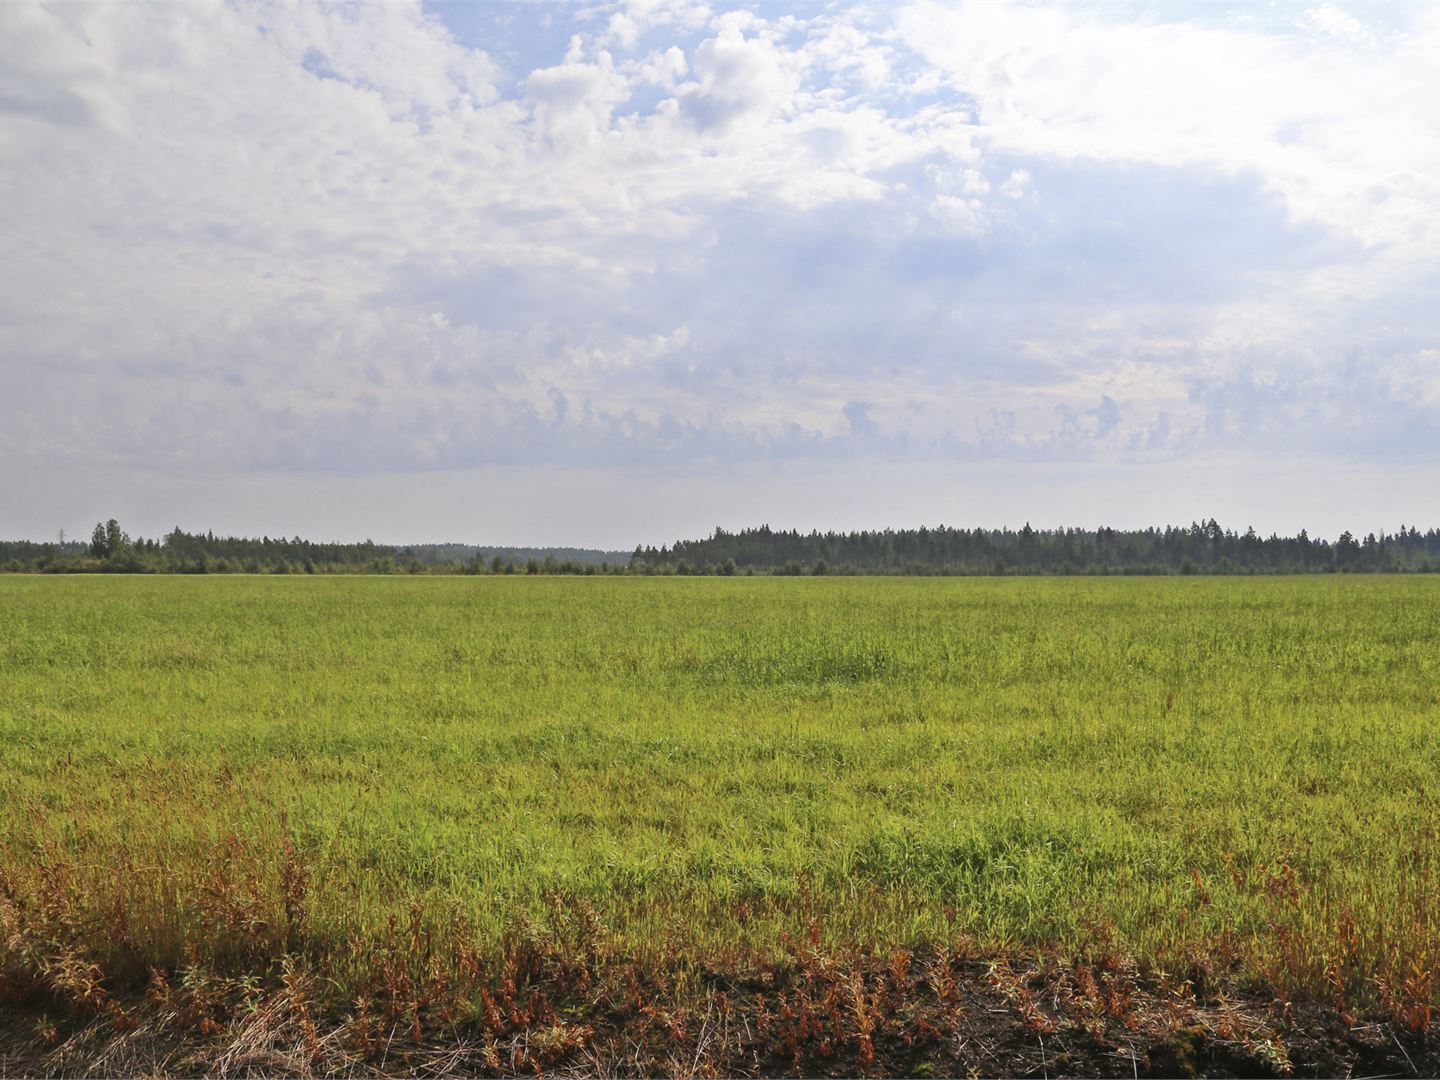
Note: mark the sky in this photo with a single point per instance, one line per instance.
(611, 273)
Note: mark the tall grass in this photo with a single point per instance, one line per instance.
(1206, 775)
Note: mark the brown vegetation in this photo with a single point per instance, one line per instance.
(559, 998)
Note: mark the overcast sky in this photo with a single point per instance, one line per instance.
(601, 274)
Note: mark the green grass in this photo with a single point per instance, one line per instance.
(1246, 769)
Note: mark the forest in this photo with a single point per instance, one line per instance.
(1201, 548)
(112, 550)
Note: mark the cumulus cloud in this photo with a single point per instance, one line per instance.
(321, 239)
(573, 103)
(740, 78)
(1333, 118)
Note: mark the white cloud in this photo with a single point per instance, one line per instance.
(622, 30)
(574, 102)
(1328, 19)
(663, 68)
(314, 237)
(1344, 134)
(965, 216)
(1014, 186)
(741, 81)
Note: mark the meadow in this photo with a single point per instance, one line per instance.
(386, 790)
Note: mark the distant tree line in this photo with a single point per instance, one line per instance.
(1203, 548)
(111, 550)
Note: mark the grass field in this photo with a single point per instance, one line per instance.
(259, 780)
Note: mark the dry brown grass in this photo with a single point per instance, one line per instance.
(560, 999)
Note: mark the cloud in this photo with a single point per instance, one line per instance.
(1340, 129)
(739, 78)
(857, 417)
(316, 239)
(573, 103)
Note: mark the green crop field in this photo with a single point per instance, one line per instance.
(262, 778)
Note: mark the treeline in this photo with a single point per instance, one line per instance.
(112, 550)
(447, 554)
(1203, 548)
